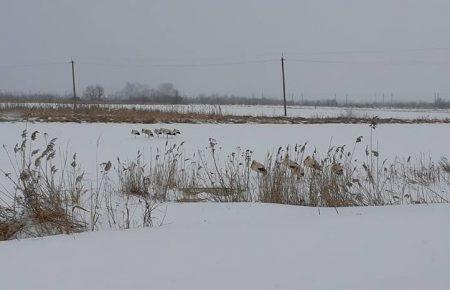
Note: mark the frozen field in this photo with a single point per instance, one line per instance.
(245, 246)
(236, 245)
(99, 143)
(96, 143)
(307, 112)
(293, 111)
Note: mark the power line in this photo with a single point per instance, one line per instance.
(262, 55)
(156, 59)
(30, 65)
(371, 62)
(374, 51)
(304, 60)
(232, 63)
(180, 65)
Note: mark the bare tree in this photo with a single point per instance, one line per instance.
(166, 92)
(167, 89)
(94, 92)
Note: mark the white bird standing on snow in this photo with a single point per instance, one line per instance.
(147, 132)
(135, 133)
(167, 132)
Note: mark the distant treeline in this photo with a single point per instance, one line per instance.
(166, 93)
(234, 100)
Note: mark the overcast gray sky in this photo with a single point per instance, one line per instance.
(355, 47)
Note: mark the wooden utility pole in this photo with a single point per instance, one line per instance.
(284, 84)
(73, 83)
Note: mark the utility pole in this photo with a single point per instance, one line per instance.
(73, 84)
(284, 84)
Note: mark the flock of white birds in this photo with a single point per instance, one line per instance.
(158, 132)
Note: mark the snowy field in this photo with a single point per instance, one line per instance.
(293, 111)
(245, 246)
(307, 112)
(236, 245)
(96, 143)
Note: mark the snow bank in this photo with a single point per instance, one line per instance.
(245, 246)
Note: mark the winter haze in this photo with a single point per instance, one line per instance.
(355, 47)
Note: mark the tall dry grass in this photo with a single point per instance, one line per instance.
(48, 192)
(51, 112)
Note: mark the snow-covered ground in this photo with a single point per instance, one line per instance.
(115, 139)
(307, 112)
(245, 246)
(241, 246)
(96, 143)
(293, 111)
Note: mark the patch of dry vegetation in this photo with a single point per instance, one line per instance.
(45, 199)
(110, 114)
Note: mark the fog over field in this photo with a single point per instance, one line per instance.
(359, 48)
